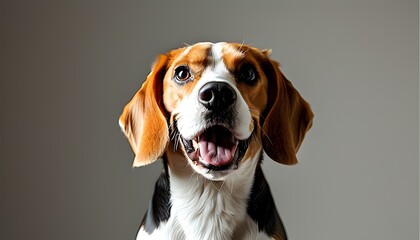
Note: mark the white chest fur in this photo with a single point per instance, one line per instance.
(203, 209)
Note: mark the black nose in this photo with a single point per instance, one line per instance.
(216, 95)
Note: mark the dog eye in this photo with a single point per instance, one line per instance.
(182, 74)
(248, 74)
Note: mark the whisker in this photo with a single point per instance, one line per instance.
(218, 189)
(176, 144)
(222, 185)
(262, 129)
(213, 185)
(187, 165)
(192, 175)
(173, 132)
(258, 141)
(231, 188)
(242, 44)
(255, 111)
(265, 134)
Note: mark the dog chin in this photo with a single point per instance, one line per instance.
(211, 175)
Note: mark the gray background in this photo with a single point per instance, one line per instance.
(69, 67)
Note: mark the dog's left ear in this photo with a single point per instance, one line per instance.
(143, 119)
(287, 117)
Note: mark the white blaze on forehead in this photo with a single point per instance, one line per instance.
(217, 58)
(216, 69)
(218, 51)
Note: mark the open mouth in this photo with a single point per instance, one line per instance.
(215, 149)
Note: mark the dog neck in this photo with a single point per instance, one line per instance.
(207, 209)
(186, 205)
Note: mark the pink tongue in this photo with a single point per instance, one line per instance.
(217, 147)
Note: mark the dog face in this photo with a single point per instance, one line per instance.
(217, 105)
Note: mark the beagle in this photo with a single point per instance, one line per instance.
(209, 111)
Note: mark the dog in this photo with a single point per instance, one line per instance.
(209, 110)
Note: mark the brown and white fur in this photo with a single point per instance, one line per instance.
(209, 111)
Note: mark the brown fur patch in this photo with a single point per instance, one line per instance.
(234, 55)
(196, 58)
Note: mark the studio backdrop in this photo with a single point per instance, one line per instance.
(69, 67)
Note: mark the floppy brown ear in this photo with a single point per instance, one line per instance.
(143, 119)
(287, 118)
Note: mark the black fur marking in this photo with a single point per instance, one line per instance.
(262, 209)
(159, 208)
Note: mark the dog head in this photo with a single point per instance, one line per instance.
(217, 105)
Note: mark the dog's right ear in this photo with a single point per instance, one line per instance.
(143, 118)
